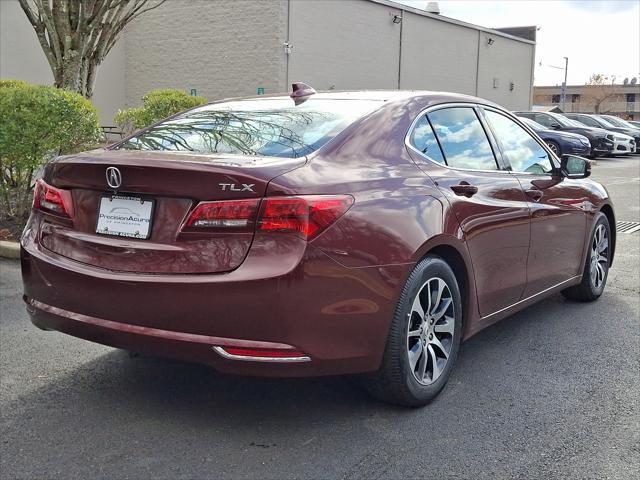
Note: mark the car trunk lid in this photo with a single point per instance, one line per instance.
(166, 187)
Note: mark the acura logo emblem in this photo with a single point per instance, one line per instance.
(114, 177)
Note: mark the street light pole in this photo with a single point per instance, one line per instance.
(564, 85)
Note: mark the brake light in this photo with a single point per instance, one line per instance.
(51, 199)
(224, 214)
(307, 215)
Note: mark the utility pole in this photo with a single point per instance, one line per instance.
(564, 84)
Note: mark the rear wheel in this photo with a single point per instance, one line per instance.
(424, 337)
(555, 148)
(596, 269)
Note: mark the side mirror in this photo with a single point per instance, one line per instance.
(573, 166)
(555, 126)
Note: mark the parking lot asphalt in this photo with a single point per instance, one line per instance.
(551, 392)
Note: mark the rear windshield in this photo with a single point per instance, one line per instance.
(270, 127)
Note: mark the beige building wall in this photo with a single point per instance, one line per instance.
(346, 45)
(431, 60)
(227, 48)
(501, 63)
(22, 58)
(221, 48)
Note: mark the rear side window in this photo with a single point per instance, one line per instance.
(423, 139)
(273, 127)
(462, 138)
(523, 152)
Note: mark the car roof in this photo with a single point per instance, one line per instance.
(431, 97)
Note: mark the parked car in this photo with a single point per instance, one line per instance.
(601, 140)
(561, 143)
(635, 123)
(625, 138)
(315, 233)
(631, 129)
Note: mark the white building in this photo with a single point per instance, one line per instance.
(235, 47)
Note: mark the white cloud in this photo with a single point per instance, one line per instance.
(597, 36)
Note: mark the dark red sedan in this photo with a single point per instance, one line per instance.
(315, 233)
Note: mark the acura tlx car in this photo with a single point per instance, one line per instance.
(315, 233)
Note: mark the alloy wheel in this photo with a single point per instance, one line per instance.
(553, 147)
(599, 256)
(430, 331)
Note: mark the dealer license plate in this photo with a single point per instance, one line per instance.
(125, 216)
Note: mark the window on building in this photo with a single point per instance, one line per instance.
(555, 98)
(631, 97)
(423, 139)
(575, 98)
(520, 148)
(462, 138)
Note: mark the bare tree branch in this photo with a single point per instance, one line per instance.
(77, 35)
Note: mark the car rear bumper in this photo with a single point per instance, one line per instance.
(337, 316)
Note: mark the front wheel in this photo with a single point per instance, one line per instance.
(424, 337)
(596, 268)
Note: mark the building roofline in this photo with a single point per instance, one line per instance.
(460, 23)
(622, 85)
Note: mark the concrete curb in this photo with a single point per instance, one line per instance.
(9, 249)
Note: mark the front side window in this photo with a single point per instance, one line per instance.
(462, 138)
(272, 127)
(588, 121)
(523, 152)
(545, 120)
(424, 140)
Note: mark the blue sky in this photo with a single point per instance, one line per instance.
(597, 36)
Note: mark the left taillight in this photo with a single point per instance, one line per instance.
(225, 215)
(52, 200)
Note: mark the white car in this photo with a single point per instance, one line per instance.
(623, 144)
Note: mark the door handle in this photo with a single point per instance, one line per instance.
(465, 189)
(535, 194)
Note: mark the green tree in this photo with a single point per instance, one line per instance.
(156, 105)
(38, 123)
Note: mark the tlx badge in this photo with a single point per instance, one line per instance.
(232, 187)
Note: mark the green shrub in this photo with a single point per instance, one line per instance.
(37, 123)
(156, 105)
(13, 83)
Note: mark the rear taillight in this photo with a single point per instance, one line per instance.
(51, 199)
(306, 215)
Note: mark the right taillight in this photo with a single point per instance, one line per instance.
(305, 215)
(51, 199)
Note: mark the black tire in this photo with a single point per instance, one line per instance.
(587, 290)
(555, 147)
(396, 382)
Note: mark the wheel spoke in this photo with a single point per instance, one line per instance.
(417, 307)
(435, 341)
(600, 274)
(442, 309)
(422, 366)
(603, 259)
(602, 245)
(414, 333)
(435, 370)
(414, 355)
(445, 327)
(435, 305)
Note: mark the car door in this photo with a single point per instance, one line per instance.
(557, 205)
(486, 199)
